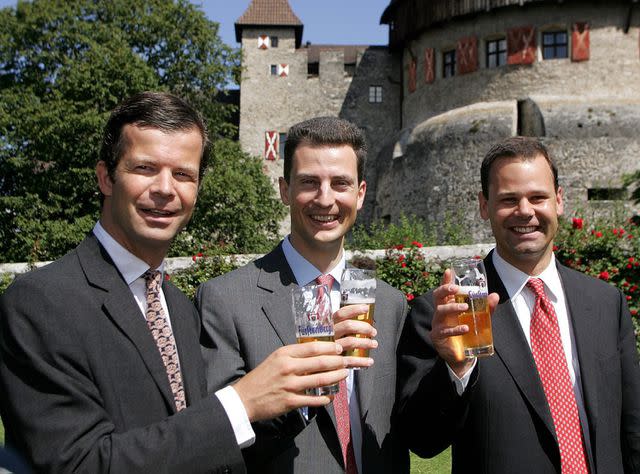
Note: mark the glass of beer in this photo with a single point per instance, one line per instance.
(359, 287)
(471, 278)
(314, 321)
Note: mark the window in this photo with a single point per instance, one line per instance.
(555, 44)
(449, 63)
(282, 141)
(274, 41)
(274, 69)
(375, 94)
(496, 52)
(313, 69)
(350, 69)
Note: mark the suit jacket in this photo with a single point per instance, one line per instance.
(502, 423)
(83, 387)
(254, 319)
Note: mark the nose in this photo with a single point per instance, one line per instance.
(325, 196)
(525, 208)
(163, 184)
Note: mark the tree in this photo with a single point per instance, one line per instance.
(64, 64)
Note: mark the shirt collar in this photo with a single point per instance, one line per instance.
(303, 270)
(514, 280)
(130, 267)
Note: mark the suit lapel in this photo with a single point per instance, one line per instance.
(512, 348)
(120, 306)
(276, 278)
(584, 323)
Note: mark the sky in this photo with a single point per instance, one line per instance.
(325, 21)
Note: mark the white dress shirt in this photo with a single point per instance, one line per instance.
(523, 300)
(132, 268)
(305, 273)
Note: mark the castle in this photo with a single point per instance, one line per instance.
(457, 76)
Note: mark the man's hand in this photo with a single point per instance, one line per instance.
(445, 325)
(278, 384)
(346, 329)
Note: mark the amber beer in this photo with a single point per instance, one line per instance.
(367, 318)
(478, 342)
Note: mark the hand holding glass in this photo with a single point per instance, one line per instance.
(314, 321)
(359, 287)
(470, 277)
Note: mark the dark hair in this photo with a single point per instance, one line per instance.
(323, 131)
(525, 148)
(159, 110)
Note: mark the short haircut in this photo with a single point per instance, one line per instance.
(157, 110)
(325, 131)
(524, 148)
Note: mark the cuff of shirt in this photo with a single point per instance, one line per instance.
(237, 414)
(461, 382)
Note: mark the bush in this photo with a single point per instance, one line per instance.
(204, 268)
(606, 250)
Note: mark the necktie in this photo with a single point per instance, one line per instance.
(341, 409)
(551, 361)
(163, 335)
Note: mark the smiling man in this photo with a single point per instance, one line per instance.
(247, 314)
(100, 367)
(562, 392)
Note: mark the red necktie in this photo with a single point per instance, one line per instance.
(163, 335)
(341, 409)
(551, 361)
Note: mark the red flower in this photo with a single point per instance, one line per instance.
(555, 248)
(634, 312)
(615, 231)
(403, 265)
(629, 236)
(598, 234)
(410, 297)
(199, 254)
(407, 283)
(604, 275)
(628, 298)
(415, 243)
(399, 247)
(631, 259)
(633, 288)
(194, 258)
(577, 223)
(167, 276)
(621, 231)
(401, 258)
(629, 265)
(625, 283)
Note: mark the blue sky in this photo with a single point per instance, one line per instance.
(325, 21)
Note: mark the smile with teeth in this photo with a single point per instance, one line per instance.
(324, 218)
(525, 230)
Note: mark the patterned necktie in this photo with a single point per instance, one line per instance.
(551, 361)
(163, 335)
(341, 409)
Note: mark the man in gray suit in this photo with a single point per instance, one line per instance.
(100, 368)
(562, 392)
(247, 314)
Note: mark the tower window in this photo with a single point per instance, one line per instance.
(375, 94)
(274, 69)
(274, 41)
(496, 52)
(555, 44)
(449, 63)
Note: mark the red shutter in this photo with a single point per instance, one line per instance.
(580, 42)
(412, 75)
(429, 65)
(271, 145)
(263, 42)
(467, 55)
(521, 45)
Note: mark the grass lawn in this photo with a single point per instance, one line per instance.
(438, 465)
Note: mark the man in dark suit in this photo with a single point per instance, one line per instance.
(324, 188)
(562, 392)
(100, 367)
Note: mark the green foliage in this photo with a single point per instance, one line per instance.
(63, 66)
(237, 206)
(606, 250)
(5, 281)
(204, 268)
(379, 235)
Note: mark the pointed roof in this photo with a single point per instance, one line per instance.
(269, 13)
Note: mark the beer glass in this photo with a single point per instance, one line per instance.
(314, 321)
(471, 278)
(359, 287)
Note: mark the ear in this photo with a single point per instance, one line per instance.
(284, 191)
(362, 191)
(560, 201)
(104, 180)
(484, 206)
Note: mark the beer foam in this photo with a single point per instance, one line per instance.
(353, 299)
(354, 284)
(466, 289)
